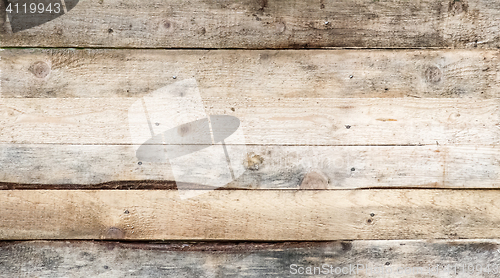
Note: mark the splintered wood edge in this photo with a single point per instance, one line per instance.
(249, 215)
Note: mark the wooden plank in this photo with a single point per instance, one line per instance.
(370, 258)
(106, 73)
(290, 121)
(250, 215)
(266, 24)
(26, 166)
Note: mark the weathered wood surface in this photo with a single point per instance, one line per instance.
(108, 73)
(26, 166)
(258, 87)
(266, 24)
(442, 105)
(249, 214)
(406, 258)
(290, 121)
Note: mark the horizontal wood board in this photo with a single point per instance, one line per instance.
(417, 118)
(258, 24)
(359, 258)
(108, 73)
(261, 215)
(28, 166)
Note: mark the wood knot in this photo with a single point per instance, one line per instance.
(40, 69)
(184, 129)
(346, 246)
(280, 27)
(433, 74)
(457, 7)
(253, 161)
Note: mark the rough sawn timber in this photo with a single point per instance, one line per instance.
(366, 258)
(254, 215)
(266, 24)
(108, 73)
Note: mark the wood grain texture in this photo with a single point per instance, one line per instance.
(267, 24)
(26, 166)
(250, 215)
(108, 73)
(189, 259)
(292, 121)
(65, 116)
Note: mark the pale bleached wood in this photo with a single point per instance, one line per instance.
(73, 73)
(267, 24)
(190, 259)
(249, 214)
(268, 121)
(26, 166)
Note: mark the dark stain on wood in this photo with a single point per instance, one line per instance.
(121, 185)
(196, 246)
(456, 7)
(114, 185)
(3, 16)
(433, 74)
(346, 246)
(263, 4)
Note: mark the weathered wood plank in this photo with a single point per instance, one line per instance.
(27, 166)
(74, 73)
(372, 258)
(266, 24)
(250, 214)
(268, 121)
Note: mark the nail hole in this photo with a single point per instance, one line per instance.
(353, 169)
(140, 163)
(372, 214)
(347, 126)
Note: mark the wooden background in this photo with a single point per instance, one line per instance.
(372, 131)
